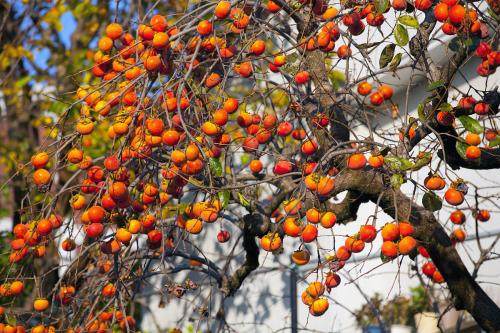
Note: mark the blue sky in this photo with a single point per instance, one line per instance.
(69, 25)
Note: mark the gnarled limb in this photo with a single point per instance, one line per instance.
(254, 225)
(465, 291)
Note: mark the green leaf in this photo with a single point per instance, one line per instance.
(461, 148)
(10, 319)
(224, 198)
(495, 142)
(401, 35)
(381, 5)
(422, 161)
(445, 107)
(408, 20)
(279, 98)
(435, 85)
(245, 158)
(215, 166)
(471, 124)
(365, 46)
(397, 180)
(23, 81)
(432, 202)
(386, 55)
(472, 43)
(243, 201)
(395, 61)
(337, 78)
(421, 112)
(398, 163)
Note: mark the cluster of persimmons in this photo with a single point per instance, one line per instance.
(164, 101)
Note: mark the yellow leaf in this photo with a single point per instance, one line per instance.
(279, 98)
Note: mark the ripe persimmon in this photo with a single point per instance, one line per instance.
(245, 68)
(270, 242)
(445, 118)
(94, 230)
(367, 233)
(272, 6)
(158, 23)
(311, 181)
(354, 245)
(407, 244)
(204, 27)
(344, 52)
(356, 161)
(309, 147)
(376, 161)
(483, 215)
(399, 4)
(302, 77)
(306, 298)
(40, 160)
(389, 249)
(328, 220)
(376, 98)
(222, 9)
(68, 245)
(441, 12)
(194, 226)
(449, 29)
(405, 228)
(325, 185)
(437, 277)
(390, 232)
(114, 31)
(212, 80)
(16, 288)
(457, 217)
(96, 214)
(41, 177)
(105, 44)
(40, 304)
(75, 156)
(301, 257)
(44, 227)
(364, 88)
(458, 235)
(258, 47)
(423, 5)
(313, 215)
(309, 233)
(343, 253)
(323, 39)
(292, 227)
(434, 183)
(454, 197)
(109, 290)
(456, 14)
(255, 166)
(123, 235)
(315, 289)
(386, 91)
(473, 152)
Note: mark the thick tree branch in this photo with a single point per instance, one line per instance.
(254, 225)
(466, 292)
(346, 210)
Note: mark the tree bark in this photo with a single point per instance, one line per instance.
(466, 292)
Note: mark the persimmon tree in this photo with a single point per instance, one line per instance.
(248, 114)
